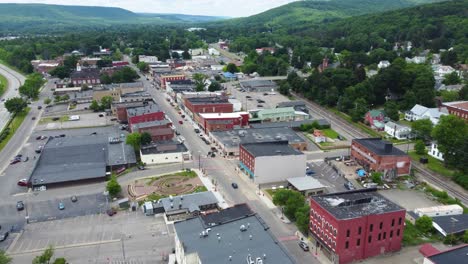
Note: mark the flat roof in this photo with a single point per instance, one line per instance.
(123, 85)
(236, 137)
(151, 124)
(222, 115)
(291, 103)
(145, 109)
(354, 204)
(291, 124)
(277, 148)
(208, 100)
(164, 147)
(226, 215)
(190, 202)
(378, 146)
(232, 245)
(451, 224)
(454, 255)
(305, 183)
(258, 84)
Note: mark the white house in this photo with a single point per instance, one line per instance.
(216, 67)
(397, 131)
(422, 112)
(383, 64)
(213, 52)
(416, 59)
(434, 152)
(442, 70)
(196, 52)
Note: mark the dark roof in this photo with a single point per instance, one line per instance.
(354, 204)
(454, 255)
(291, 104)
(164, 147)
(189, 202)
(380, 147)
(291, 124)
(85, 74)
(227, 215)
(452, 224)
(129, 104)
(261, 85)
(181, 82)
(208, 100)
(124, 85)
(232, 245)
(163, 122)
(141, 110)
(277, 148)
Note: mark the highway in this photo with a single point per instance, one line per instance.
(14, 82)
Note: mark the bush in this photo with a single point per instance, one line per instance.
(424, 224)
(113, 187)
(461, 179)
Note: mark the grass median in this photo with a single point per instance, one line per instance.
(12, 126)
(3, 84)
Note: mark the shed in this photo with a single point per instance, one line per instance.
(306, 185)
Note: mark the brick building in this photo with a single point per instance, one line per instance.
(162, 79)
(355, 225)
(160, 130)
(89, 76)
(214, 104)
(119, 109)
(146, 113)
(374, 154)
(223, 121)
(459, 109)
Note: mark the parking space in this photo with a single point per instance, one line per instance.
(128, 236)
(86, 120)
(409, 199)
(326, 175)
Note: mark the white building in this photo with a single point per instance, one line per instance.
(416, 59)
(165, 152)
(421, 112)
(196, 52)
(217, 67)
(397, 131)
(453, 209)
(148, 59)
(442, 70)
(213, 52)
(383, 64)
(236, 104)
(434, 152)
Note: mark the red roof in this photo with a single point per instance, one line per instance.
(428, 250)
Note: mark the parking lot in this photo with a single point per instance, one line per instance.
(127, 236)
(86, 120)
(409, 199)
(326, 175)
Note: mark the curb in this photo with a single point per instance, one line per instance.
(15, 241)
(67, 246)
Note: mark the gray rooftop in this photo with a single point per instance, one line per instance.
(235, 212)
(452, 224)
(290, 104)
(208, 100)
(256, 241)
(256, 135)
(277, 148)
(258, 85)
(124, 85)
(380, 147)
(354, 204)
(188, 202)
(305, 183)
(163, 122)
(454, 255)
(291, 124)
(164, 147)
(141, 110)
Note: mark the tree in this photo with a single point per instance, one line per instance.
(45, 257)
(15, 105)
(94, 106)
(4, 258)
(422, 128)
(302, 219)
(452, 78)
(134, 140)
(60, 72)
(391, 110)
(424, 224)
(419, 147)
(465, 237)
(186, 55)
(359, 110)
(146, 138)
(232, 68)
(143, 66)
(449, 57)
(214, 86)
(106, 102)
(60, 261)
(377, 177)
(113, 187)
(199, 79)
(280, 197)
(451, 134)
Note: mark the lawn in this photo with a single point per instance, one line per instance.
(3, 84)
(13, 126)
(330, 133)
(433, 164)
(46, 120)
(359, 125)
(412, 236)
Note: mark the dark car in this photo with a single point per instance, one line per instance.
(4, 236)
(248, 96)
(177, 132)
(234, 185)
(55, 118)
(94, 133)
(265, 94)
(33, 118)
(214, 149)
(74, 199)
(62, 135)
(259, 105)
(39, 149)
(39, 107)
(20, 206)
(101, 115)
(14, 161)
(111, 212)
(26, 159)
(181, 122)
(304, 245)
(309, 172)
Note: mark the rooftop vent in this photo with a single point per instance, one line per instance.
(172, 205)
(171, 198)
(243, 228)
(388, 147)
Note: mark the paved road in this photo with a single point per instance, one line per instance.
(14, 82)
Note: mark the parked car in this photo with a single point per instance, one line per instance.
(41, 137)
(74, 199)
(197, 130)
(181, 122)
(259, 105)
(4, 236)
(349, 186)
(141, 167)
(55, 118)
(214, 149)
(234, 185)
(23, 182)
(39, 149)
(39, 107)
(111, 212)
(101, 115)
(177, 132)
(20, 206)
(61, 206)
(26, 159)
(62, 135)
(14, 161)
(33, 118)
(309, 172)
(304, 245)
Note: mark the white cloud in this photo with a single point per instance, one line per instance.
(232, 8)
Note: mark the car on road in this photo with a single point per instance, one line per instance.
(177, 132)
(26, 159)
(111, 212)
(41, 137)
(141, 167)
(39, 149)
(349, 185)
(197, 130)
(20, 206)
(74, 199)
(265, 94)
(23, 182)
(61, 206)
(214, 149)
(181, 122)
(248, 96)
(14, 161)
(4, 236)
(94, 133)
(55, 118)
(62, 135)
(33, 118)
(234, 185)
(304, 245)
(259, 105)
(39, 107)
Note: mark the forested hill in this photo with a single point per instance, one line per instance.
(298, 13)
(43, 18)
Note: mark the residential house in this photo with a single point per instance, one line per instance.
(421, 112)
(434, 152)
(416, 59)
(442, 70)
(398, 131)
(319, 136)
(383, 64)
(375, 118)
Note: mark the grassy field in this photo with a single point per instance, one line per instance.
(330, 133)
(13, 126)
(433, 164)
(3, 84)
(46, 120)
(360, 126)
(412, 236)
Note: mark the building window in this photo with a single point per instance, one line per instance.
(334, 232)
(369, 239)
(347, 244)
(347, 233)
(381, 225)
(398, 232)
(379, 237)
(359, 230)
(391, 233)
(393, 221)
(384, 235)
(371, 227)
(399, 221)
(358, 242)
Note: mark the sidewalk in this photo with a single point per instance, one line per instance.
(209, 185)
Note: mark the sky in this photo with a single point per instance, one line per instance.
(230, 8)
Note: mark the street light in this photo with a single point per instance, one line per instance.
(199, 160)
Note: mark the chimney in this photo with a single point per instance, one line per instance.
(388, 147)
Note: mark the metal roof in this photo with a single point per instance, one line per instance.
(277, 148)
(305, 183)
(164, 147)
(380, 147)
(454, 255)
(150, 124)
(291, 104)
(189, 202)
(451, 224)
(141, 110)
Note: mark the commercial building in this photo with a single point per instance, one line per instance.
(355, 225)
(233, 235)
(297, 105)
(265, 163)
(162, 79)
(306, 185)
(459, 109)
(145, 113)
(374, 154)
(223, 121)
(164, 152)
(160, 130)
(213, 104)
(454, 255)
(148, 59)
(229, 141)
(88, 76)
(285, 114)
(80, 159)
(291, 124)
(119, 109)
(258, 85)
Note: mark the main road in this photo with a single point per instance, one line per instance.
(15, 80)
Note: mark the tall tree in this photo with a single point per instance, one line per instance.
(146, 138)
(4, 258)
(451, 134)
(422, 128)
(186, 55)
(15, 105)
(214, 86)
(232, 68)
(134, 140)
(391, 110)
(113, 187)
(199, 79)
(452, 78)
(45, 257)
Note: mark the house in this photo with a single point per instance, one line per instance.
(375, 118)
(458, 108)
(355, 225)
(383, 64)
(453, 255)
(88, 76)
(319, 136)
(434, 152)
(374, 154)
(416, 59)
(442, 70)
(264, 163)
(306, 185)
(397, 131)
(163, 152)
(222, 121)
(232, 235)
(265, 49)
(421, 112)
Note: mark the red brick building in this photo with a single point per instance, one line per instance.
(214, 104)
(459, 109)
(119, 64)
(147, 113)
(374, 154)
(355, 225)
(119, 110)
(223, 121)
(160, 130)
(163, 79)
(89, 76)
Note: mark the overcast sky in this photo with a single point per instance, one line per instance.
(231, 8)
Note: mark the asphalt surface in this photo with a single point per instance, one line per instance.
(14, 82)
